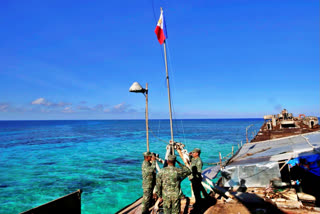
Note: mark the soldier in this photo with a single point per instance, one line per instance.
(168, 185)
(195, 177)
(148, 180)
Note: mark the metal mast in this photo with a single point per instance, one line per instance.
(169, 98)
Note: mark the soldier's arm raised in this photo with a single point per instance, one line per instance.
(184, 172)
(147, 169)
(152, 167)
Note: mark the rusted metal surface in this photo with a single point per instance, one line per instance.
(278, 126)
(133, 208)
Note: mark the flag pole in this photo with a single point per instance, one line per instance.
(169, 98)
(147, 126)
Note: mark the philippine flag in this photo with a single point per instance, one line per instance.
(161, 30)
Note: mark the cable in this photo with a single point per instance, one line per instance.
(157, 137)
(156, 22)
(154, 14)
(173, 80)
(175, 125)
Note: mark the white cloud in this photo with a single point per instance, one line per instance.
(44, 106)
(67, 110)
(119, 106)
(39, 101)
(4, 107)
(42, 101)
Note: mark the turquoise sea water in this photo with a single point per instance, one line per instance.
(43, 160)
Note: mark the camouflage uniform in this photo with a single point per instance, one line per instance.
(148, 183)
(195, 177)
(168, 187)
(196, 168)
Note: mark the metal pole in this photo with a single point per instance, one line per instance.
(247, 132)
(168, 86)
(220, 160)
(147, 127)
(247, 135)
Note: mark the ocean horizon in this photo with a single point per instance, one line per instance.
(43, 160)
(244, 118)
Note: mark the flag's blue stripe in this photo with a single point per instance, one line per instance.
(165, 28)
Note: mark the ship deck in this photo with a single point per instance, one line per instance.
(254, 200)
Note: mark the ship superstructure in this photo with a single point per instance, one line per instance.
(285, 124)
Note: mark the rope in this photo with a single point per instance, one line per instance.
(172, 72)
(184, 136)
(158, 128)
(170, 68)
(308, 142)
(154, 13)
(223, 158)
(156, 136)
(284, 164)
(184, 153)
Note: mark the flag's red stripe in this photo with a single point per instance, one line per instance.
(160, 34)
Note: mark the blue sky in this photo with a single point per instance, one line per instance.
(227, 59)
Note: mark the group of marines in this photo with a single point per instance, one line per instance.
(165, 186)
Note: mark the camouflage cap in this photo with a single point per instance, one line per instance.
(172, 157)
(147, 154)
(197, 150)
